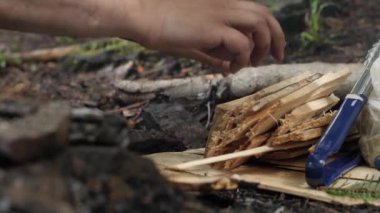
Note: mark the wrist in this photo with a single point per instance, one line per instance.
(114, 18)
(126, 19)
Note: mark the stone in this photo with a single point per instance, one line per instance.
(95, 127)
(92, 179)
(175, 121)
(152, 141)
(36, 135)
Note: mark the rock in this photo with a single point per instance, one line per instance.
(36, 188)
(94, 127)
(43, 133)
(92, 179)
(10, 109)
(153, 141)
(176, 122)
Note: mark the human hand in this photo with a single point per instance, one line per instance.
(226, 34)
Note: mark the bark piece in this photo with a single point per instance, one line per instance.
(191, 88)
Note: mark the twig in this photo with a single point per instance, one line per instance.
(44, 55)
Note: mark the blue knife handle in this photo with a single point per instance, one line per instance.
(317, 172)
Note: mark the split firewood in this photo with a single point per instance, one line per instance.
(287, 154)
(297, 107)
(239, 109)
(192, 88)
(304, 132)
(321, 121)
(296, 136)
(252, 143)
(312, 109)
(286, 104)
(258, 123)
(304, 112)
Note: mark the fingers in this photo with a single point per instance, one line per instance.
(232, 52)
(266, 32)
(278, 42)
(239, 45)
(258, 30)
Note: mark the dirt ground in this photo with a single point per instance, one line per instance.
(352, 26)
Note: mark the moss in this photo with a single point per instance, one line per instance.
(99, 53)
(118, 45)
(6, 61)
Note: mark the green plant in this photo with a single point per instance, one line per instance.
(366, 190)
(66, 40)
(313, 36)
(3, 61)
(273, 5)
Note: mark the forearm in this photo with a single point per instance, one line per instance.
(93, 18)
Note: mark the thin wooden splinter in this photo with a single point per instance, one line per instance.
(259, 151)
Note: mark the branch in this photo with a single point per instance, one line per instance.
(245, 82)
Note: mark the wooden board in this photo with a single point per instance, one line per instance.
(289, 179)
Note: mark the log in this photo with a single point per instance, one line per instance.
(243, 83)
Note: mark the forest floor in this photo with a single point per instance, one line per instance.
(351, 27)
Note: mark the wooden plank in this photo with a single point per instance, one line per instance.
(291, 182)
(265, 177)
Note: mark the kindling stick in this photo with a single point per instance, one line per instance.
(246, 153)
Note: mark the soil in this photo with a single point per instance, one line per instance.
(352, 26)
